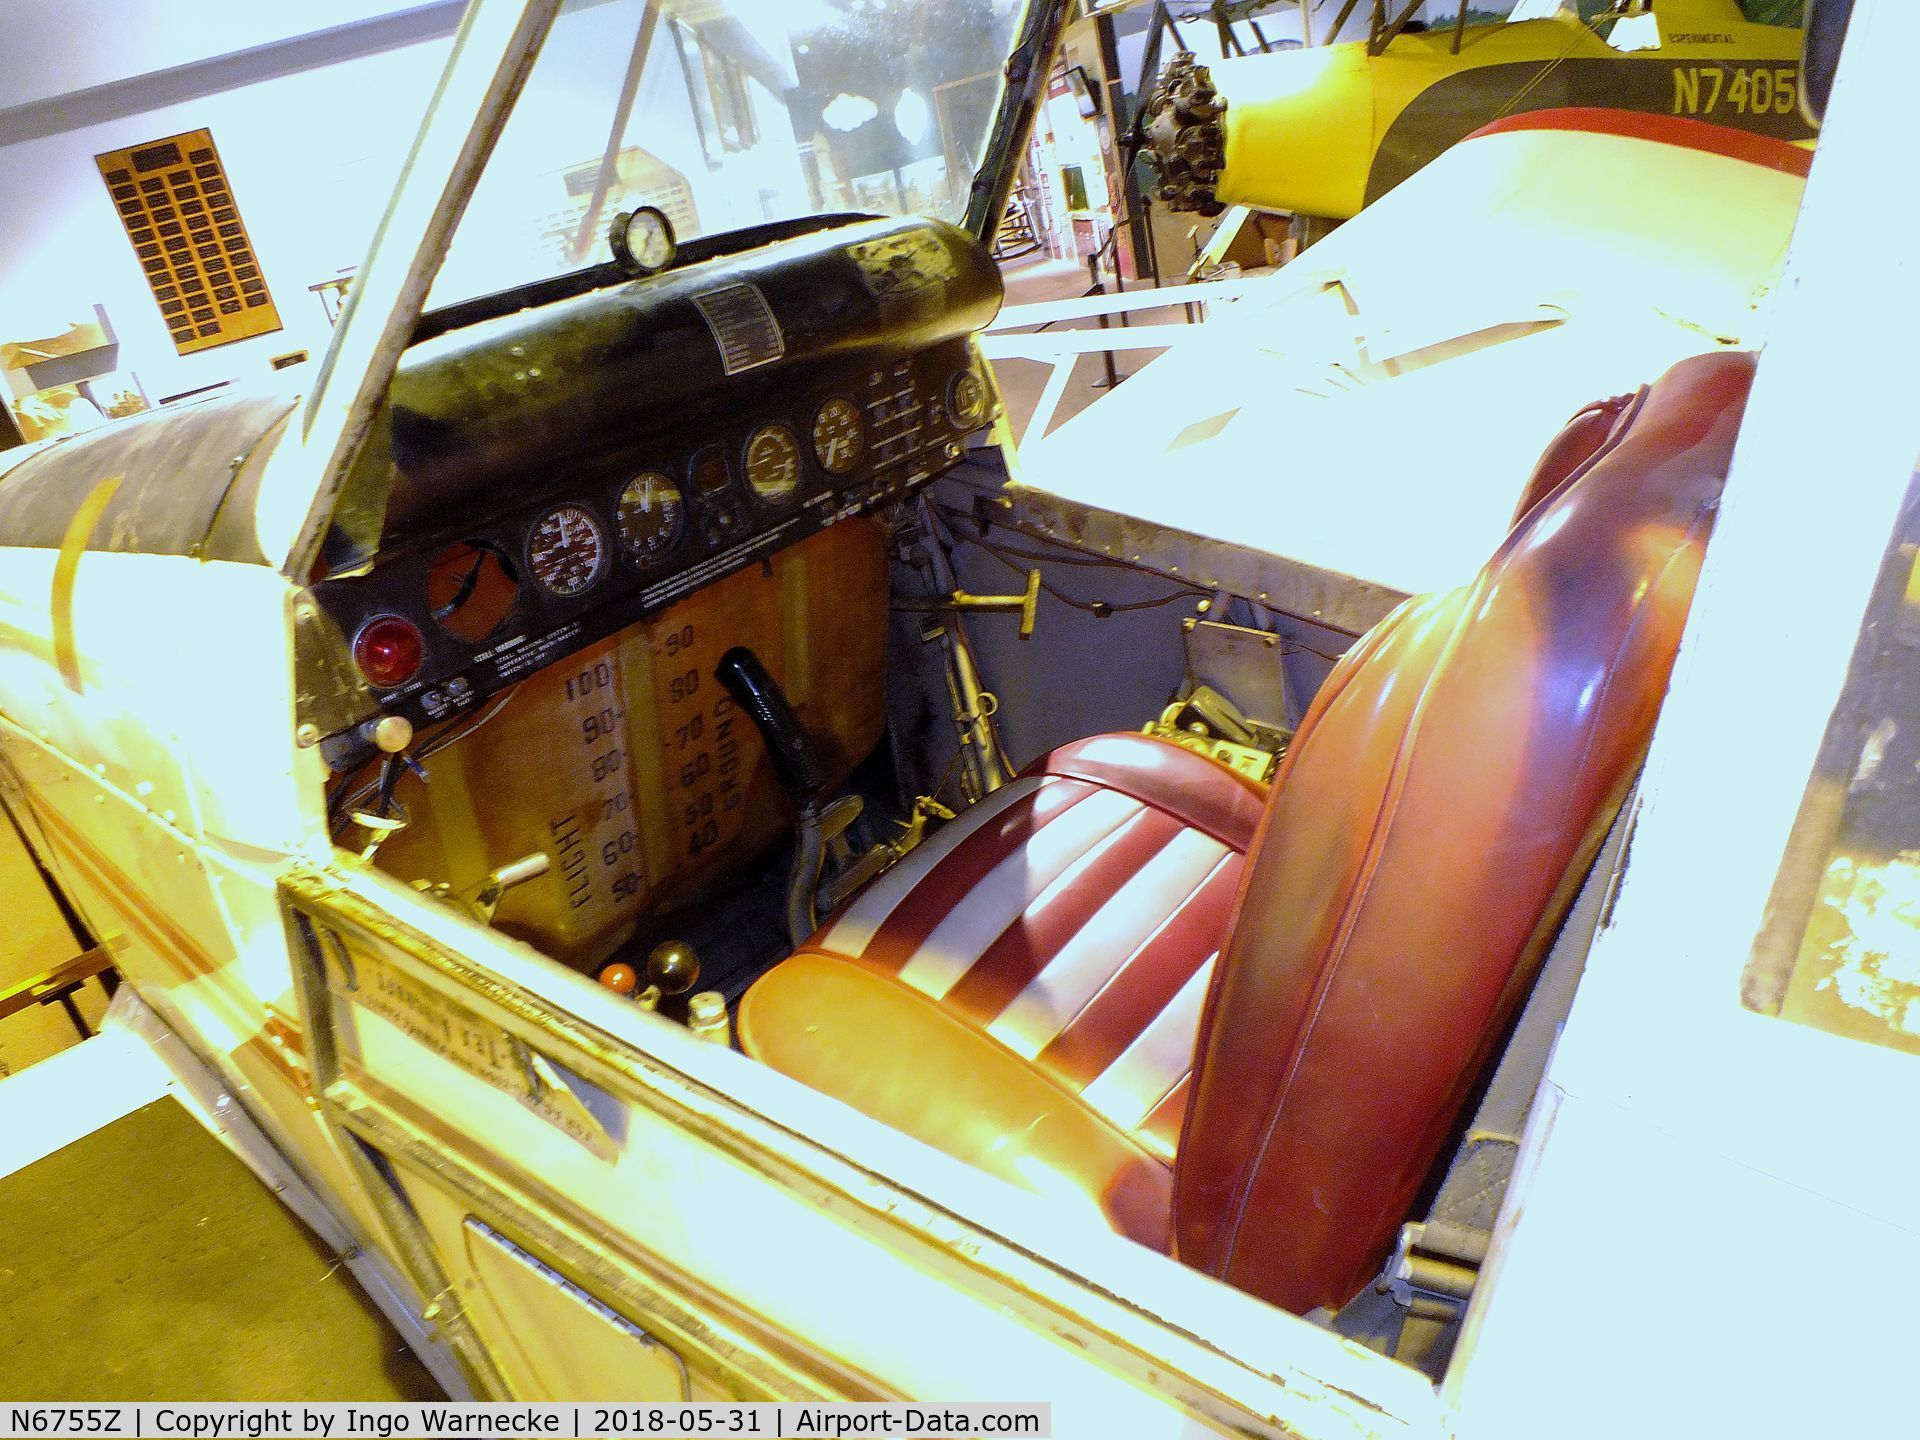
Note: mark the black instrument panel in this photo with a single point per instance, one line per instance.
(599, 543)
(546, 475)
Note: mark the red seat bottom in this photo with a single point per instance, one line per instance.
(1024, 991)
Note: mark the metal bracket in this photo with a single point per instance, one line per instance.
(330, 695)
(1433, 1269)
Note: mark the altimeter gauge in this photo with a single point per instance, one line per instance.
(566, 550)
(773, 462)
(649, 515)
(838, 437)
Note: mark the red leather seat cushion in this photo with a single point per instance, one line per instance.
(1568, 454)
(1023, 991)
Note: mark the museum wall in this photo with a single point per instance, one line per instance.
(312, 126)
(311, 154)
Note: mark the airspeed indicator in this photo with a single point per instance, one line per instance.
(566, 551)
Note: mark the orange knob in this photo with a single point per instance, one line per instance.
(620, 978)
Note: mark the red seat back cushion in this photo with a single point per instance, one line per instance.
(1447, 787)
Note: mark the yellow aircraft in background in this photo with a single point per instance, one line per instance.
(1325, 130)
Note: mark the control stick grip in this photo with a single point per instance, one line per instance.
(754, 690)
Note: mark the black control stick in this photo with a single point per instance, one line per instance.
(795, 766)
(756, 692)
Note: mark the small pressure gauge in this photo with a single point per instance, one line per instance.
(642, 241)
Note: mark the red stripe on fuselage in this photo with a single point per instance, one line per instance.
(1762, 150)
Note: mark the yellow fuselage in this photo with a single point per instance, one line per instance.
(1325, 131)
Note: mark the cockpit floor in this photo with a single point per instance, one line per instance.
(743, 934)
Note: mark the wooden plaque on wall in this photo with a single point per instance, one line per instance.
(172, 196)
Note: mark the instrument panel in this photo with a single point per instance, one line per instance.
(556, 465)
(597, 544)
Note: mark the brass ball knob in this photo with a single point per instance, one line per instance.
(674, 967)
(392, 734)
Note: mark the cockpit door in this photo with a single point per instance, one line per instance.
(465, 1108)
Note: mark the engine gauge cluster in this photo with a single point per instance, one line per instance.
(596, 539)
(679, 504)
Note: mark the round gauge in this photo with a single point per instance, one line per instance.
(773, 462)
(649, 516)
(710, 475)
(838, 438)
(967, 400)
(641, 240)
(566, 551)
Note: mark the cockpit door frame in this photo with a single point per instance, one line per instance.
(493, 52)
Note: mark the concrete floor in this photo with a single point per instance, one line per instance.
(144, 1262)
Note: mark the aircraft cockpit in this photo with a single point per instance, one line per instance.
(647, 626)
(734, 876)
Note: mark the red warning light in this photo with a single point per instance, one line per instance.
(388, 650)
